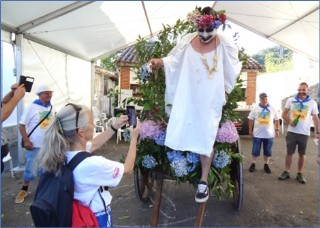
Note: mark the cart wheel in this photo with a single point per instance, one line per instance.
(237, 178)
(143, 183)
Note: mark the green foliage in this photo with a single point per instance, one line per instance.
(275, 59)
(114, 94)
(152, 92)
(108, 61)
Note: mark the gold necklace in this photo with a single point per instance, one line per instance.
(205, 63)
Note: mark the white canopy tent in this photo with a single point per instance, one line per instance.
(90, 30)
(57, 42)
(51, 33)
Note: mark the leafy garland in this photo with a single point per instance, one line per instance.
(152, 154)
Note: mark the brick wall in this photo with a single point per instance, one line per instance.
(125, 77)
(251, 87)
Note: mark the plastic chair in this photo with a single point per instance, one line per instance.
(9, 159)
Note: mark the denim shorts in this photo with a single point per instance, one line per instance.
(104, 217)
(267, 146)
(32, 167)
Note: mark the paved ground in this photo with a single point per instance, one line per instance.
(267, 201)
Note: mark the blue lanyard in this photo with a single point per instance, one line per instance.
(264, 108)
(301, 102)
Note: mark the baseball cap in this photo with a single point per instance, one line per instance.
(43, 88)
(262, 95)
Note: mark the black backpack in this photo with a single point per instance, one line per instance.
(52, 204)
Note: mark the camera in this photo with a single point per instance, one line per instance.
(131, 111)
(27, 81)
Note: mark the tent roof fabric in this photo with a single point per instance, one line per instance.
(91, 30)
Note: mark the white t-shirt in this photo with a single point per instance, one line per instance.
(31, 116)
(92, 173)
(309, 108)
(263, 121)
(196, 99)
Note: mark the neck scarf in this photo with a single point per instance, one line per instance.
(38, 102)
(301, 102)
(264, 107)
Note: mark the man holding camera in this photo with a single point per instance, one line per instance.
(36, 118)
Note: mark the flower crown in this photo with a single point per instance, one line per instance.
(200, 20)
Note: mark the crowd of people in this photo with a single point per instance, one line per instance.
(205, 63)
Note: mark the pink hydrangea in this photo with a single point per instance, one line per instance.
(150, 129)
(227, 133)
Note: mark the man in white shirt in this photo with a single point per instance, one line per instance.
(263, 127)
(34, 113)
(299, 111)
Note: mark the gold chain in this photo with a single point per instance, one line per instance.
(205, 62)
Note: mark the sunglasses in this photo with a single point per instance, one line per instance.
(78, 109)
(207, 29)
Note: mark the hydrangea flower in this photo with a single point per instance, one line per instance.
(159, 139)
(180, 167)
(150, 129)
(174, 155)
(126, 135)
(227, 133)
(145, 71)
(193, 159)
(220, 159)
(149, 162)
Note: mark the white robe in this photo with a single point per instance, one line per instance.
(196, 99)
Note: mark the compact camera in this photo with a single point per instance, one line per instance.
(27, 81)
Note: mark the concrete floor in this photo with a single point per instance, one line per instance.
(267, 201)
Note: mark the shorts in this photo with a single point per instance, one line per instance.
(32, 167)
(267, 146)
(104, 217)
(294, 139)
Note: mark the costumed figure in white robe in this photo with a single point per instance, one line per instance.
(199, 70)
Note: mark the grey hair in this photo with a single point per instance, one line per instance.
(60, 135)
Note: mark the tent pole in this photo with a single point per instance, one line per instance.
(18, 72)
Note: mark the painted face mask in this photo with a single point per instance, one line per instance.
(207, 34)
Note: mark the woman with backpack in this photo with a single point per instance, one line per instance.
(68, 135)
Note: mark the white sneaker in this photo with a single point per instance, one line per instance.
(202, 194)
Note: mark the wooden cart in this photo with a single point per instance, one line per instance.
(147, 181)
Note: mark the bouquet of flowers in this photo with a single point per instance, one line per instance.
(185, 165)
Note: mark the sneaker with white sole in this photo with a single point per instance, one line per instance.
(21, 195)
(202, 194)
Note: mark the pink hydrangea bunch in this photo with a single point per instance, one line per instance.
(227, 133)
(150, 129)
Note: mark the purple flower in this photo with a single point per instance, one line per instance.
(150, 129)
(227, 133)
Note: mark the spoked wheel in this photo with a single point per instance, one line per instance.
(237, 178)
(143, 183)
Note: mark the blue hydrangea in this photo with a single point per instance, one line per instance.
(149, 162)
(145, 71)
(220, 159)
(126, 135)
(193, 160)
(159, 139)
(180, 167)
(174, 155)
